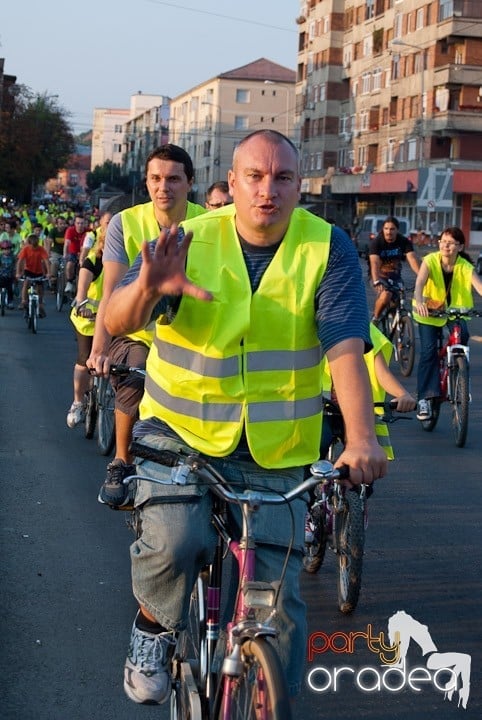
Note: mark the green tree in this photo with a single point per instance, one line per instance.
(35, 142)
(108, 174)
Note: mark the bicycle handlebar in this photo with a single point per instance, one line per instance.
(321, 470)
(456, 313)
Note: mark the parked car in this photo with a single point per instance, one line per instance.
(369, 228)
(478, 264)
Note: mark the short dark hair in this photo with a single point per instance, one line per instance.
(174, 153)
(221, 185)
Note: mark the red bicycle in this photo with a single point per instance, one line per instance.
(454, 374)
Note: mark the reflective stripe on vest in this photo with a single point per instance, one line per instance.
(232, 364)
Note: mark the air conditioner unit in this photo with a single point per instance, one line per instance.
(457, 13)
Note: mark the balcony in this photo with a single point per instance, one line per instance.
(453, 121)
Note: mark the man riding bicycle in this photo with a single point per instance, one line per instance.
(387, 252)
(234, 373)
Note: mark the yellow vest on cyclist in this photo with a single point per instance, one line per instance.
(86, 326)
(139, 223)
(380, 344)
(244, 361)
(434, 288)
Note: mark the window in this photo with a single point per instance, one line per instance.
(446, 9)
(242, 96)
(390, 151)
(412, 150)
(395, 66)
(419, 20)
(364, 120)
(370, 9)
(367, 45)
(397, 25)
(377, 79)
(241, 122)
(366, 83)
(322, 92)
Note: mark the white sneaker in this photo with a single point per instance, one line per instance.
(424, 411)
(69, 287)
(146, 672)
(75, 415)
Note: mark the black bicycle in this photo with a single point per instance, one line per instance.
(397, 325)
(337, 516)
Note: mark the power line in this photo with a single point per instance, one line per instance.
(220, 15)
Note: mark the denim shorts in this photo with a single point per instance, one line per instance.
(177, 538)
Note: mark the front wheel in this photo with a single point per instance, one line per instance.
(33, 316)
(60, 293)
(349, 537)
(406, 345)
(260, 691)
(460, 399)
(315, 543)
(106, 417)
(90, 413)
(3, 301)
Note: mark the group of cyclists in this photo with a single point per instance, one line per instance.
(445, 278)
(226, 305)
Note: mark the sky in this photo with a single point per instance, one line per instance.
(97, 53)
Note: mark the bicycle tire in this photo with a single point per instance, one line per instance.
(3, 302)
(406, 345)
(429, 425)
(190, 659)
(90, 413)
(460, 399)
(349, 537)
(260, 691)
(60, 293)
(33, 317)
(105, 417)
(315, 551)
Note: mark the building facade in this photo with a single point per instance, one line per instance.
(210, 119)
(389, 101)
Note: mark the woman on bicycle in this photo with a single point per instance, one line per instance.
(445, 280)
(89, 293)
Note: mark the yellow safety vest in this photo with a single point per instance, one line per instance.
(244, 361)
(380, 344)
(86, 326)
(139, 223)
(434, 288)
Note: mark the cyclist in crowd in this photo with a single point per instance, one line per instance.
(445, 280)
(387, 252)
(54, 244)
(382, 381)
(7, 270)
(169, 178)
(73, 240)
(217, 195)
(10, 233)
(89, 287)
(33, 262)
(234, 373)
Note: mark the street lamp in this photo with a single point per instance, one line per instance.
(287, 113)
(217, 138)
(422, 88)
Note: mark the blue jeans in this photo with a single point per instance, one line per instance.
(428, 383)
(177, 539)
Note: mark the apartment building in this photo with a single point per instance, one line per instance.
(389, 101)
(209, 120)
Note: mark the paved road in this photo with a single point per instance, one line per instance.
(66, 602)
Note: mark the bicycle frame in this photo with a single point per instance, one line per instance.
(449, 348)
(255, 604)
